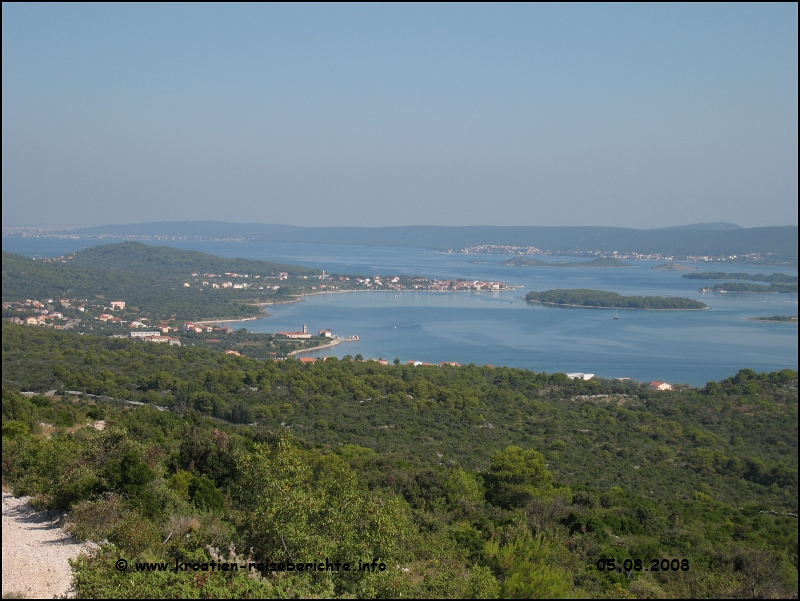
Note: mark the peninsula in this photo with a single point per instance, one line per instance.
(602, 299)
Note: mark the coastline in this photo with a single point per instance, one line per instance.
(316, 348)
(210, 321)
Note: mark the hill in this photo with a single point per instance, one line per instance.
(152, 280)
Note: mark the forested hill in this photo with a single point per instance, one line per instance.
(163, 261)
(463, 482)
(152, 281)
(776, 244)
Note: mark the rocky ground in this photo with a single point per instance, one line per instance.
(35, 551)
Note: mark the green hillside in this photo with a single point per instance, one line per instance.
(461, 482)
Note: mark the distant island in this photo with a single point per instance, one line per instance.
(526, 262)
(775, 278)
(477, 262)
(602, 299)
(752, 288)
(600, 262)
(673, 267)
(778, 318)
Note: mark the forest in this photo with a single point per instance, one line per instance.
(467, 481)
(602, 299)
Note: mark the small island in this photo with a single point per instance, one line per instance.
(775, 278)
(673, 267)
(777, 318)
(744, 287)
(602, 299)
(526, 262)
(600, 262)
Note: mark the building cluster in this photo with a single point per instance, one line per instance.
(496, 249)
(451, 285)
(44, 313)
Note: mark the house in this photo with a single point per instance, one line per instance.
(117, 305)
(326, 333)
(144, 334)
(660, 386)
(307, 360)
(157, 338)
(580, 376)
(105, 317)
(451, 363)
(232, 352)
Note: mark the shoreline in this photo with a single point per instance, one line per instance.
(301, 297)
(311, 350)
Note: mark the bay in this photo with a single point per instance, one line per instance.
(500, 328)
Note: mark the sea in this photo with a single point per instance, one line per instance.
(500, 328)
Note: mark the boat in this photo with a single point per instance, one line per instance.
(616, 314)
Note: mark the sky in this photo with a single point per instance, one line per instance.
(376, 115)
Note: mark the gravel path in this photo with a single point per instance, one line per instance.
(35, 551)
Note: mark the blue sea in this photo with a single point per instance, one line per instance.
(500, 328)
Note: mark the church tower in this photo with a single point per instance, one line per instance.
(305, 329)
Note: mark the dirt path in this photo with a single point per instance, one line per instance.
(35, 551)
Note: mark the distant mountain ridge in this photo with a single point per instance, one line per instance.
(713, 226)
(692, 240)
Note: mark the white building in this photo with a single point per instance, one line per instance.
(580, 376)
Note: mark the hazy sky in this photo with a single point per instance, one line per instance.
(630, 115)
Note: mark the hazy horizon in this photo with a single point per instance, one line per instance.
(639, 116)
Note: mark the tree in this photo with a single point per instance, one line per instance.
(517, 476)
